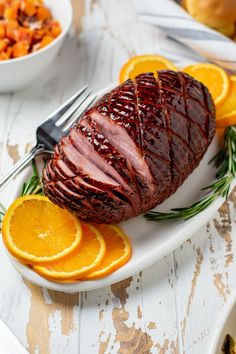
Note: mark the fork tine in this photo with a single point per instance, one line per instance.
(66, 116)
(80, 110)
(65, 106)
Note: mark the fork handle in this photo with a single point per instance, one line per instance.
(20, 165)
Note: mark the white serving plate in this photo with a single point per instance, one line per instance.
(226, 324)
(151, 241)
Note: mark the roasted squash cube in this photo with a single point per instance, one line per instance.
(43, 14)
(20, 49)
(2, 30)
(10, 14)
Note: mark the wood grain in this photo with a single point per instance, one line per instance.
(78, 13)
(47, 303)
(169, 308)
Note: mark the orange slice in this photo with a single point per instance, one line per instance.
(143, 64)
(118, 251)
(35, 230)
(226, 114)
(84, 259)
(212, 76)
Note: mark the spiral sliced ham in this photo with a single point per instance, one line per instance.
(133, 148)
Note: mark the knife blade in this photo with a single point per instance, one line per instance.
(9, 344)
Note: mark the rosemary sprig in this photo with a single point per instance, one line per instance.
(33, 185)
(225, 161)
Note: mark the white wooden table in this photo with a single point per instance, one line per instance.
(168, 308)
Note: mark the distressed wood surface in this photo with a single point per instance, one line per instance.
(168, 308)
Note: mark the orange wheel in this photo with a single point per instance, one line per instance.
(118, 251)
(213, 77)
(144, 63)
(226, 114)
(86, 258)
(36, 231)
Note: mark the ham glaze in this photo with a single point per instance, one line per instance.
(133, 148)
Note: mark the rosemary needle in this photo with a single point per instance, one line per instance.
(225, 161)
(33, 185)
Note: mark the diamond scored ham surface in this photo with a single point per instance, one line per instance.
(133, 148)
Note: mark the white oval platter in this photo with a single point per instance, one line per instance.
(151, 241)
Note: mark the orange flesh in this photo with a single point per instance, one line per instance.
(41, 229)
(230, 104)
(115, 245)
(118, 251)
(142, 67)
(82, 257)
(144, 63)
(36, 231)
(226, 114)
(214, 78)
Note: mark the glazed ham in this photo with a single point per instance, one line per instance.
(133, 149)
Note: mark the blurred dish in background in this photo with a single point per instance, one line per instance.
(217, 14)
(229, 345)
(25, 27)
(224, 331)
(20, 72)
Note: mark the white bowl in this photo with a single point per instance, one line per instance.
(18, 73)
(226, 324)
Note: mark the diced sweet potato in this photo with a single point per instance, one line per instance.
(37, 3)
(55, 31)
(12, 30)
(40, 33)
(10, 14)
(3, 45)
(25, 26)
(15, 4)
(12, 25)
(2, 30)
(6, 54)
(43, 14)
(25, 34)
(20, 49)
(2, 8)
(9, 51)
(47, 39)
(29, 9)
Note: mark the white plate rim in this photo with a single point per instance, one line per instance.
(154, 256)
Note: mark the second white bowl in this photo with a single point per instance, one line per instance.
(18, 73)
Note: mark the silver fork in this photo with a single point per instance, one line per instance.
(49, 133)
